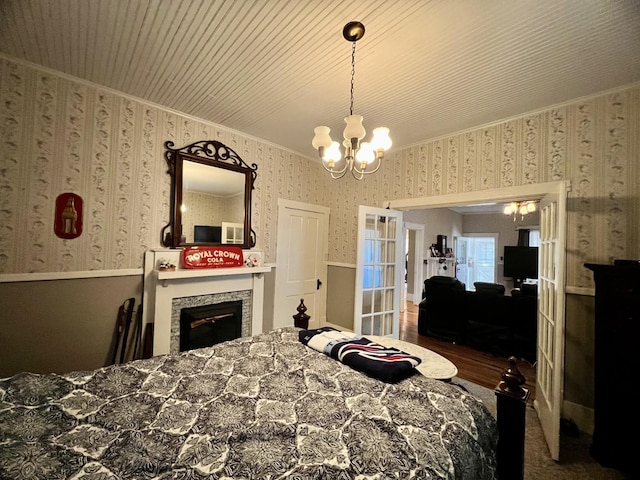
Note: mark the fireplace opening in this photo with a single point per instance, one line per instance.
(207, 325)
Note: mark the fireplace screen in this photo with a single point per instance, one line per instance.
(207, 325)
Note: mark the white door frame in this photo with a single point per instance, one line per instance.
(418, 256)
(534, 191)
(279, 290)
(496, 238)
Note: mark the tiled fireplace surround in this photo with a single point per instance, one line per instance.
(177, 304)
(166, 293)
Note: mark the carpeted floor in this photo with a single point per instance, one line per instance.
(575, 462)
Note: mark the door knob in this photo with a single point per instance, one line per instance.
(318, 285)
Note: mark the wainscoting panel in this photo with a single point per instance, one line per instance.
(61, 325)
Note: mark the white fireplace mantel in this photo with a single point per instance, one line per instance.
(165, 277)
(161, 287)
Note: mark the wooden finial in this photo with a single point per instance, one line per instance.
(512, 380)
(301, 319)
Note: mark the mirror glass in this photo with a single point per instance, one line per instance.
(212, 201)
(211, 196)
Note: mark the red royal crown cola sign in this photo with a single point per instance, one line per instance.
(212, 257)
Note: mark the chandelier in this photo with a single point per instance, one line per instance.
(520, 208)
(359, 158)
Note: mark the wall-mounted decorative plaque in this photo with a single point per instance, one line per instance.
(68, 216)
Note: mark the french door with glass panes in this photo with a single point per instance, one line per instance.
(379, 272)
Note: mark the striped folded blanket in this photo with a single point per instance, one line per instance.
(387, 364)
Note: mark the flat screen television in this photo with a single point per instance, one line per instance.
(520, 262)
(207, 234)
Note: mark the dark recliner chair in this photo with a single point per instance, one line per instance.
(486, 319)
(487, 288)
(489, 323)
(439, 312)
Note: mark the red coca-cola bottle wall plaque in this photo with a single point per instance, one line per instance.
(68, 216)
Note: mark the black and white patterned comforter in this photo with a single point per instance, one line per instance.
(263, 407)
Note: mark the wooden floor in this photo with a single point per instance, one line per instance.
(479, 367)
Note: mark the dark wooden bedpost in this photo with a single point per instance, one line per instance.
(511, 404)
(301, 319)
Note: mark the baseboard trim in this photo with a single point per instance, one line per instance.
(582, 416)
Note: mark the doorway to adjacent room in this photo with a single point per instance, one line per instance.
(476, 258)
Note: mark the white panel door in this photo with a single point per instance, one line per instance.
(379, 272)
(551, 317)
(301, 269)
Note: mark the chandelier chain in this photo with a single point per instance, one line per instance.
(353, 74)
(360, 158)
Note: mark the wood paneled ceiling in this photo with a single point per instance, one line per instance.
(275, 69)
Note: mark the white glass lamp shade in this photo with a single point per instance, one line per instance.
(321, 137)
(365, 154)
(381, 139)
(511, 208)
(354, 128)
(531, 207)
(332, 154)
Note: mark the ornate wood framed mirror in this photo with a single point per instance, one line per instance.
(210, 196)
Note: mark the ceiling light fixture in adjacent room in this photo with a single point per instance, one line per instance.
(359, 158)
(520, 208)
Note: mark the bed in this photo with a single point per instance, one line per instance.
(262, 407)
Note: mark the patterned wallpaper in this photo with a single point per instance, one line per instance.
(206, 209)
(62, 135)
(201, 209)
(594, 143)
(59, 135)
(234, 209)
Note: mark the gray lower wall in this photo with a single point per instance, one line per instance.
(341, 283)
(58, 326)
(65, 325)
(579, 355)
